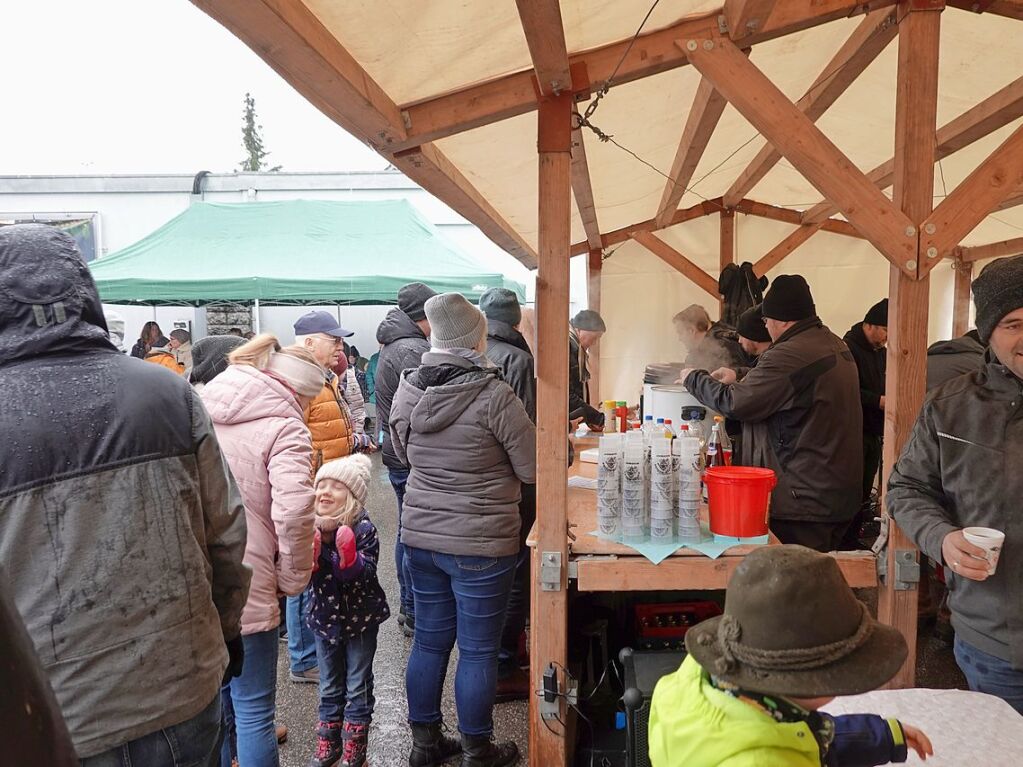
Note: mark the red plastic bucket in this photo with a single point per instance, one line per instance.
(738, 497)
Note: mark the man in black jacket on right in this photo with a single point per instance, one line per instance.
(404, 337)
(866, 340)
(508, 350)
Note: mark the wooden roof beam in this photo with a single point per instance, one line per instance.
(864, 45)
(708, 105)
(545, 36)
(744, 17)
(993, 113)
(1013, 247)
(1012, 9)
(652, 53)
(289, 37)
(789, 216)
(782, 250)
(618, 236)
(994, 181)
(802, 143)
(677, 261)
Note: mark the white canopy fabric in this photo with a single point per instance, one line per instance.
(415, 51)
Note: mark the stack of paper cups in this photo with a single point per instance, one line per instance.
(688, 479)
(634, 489)
(662, 490)
(609, 484)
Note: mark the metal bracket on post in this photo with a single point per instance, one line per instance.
(550, 571)
(907, 570)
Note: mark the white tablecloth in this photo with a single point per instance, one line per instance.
(967, 729)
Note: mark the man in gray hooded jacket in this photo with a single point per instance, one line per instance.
(963, 467)
(121, 529)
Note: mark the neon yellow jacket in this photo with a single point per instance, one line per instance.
(695, 725)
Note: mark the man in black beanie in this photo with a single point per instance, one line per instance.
(962, 467)
(585, 330)
(866, 340)
(801, 404)
(404, 337)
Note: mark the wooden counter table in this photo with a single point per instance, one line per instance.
(600, 565)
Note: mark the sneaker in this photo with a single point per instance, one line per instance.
(309, 676)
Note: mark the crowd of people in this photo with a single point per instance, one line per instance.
(155, 557)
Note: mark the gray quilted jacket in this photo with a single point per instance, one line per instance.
(469, 444)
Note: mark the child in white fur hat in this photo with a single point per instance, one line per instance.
(345, 612)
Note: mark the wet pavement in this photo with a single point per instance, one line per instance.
(390, 739)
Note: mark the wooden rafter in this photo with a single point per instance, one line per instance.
(993, 113)
(293, 41)
(961, 297)
(652, 53)
(866, 42)
(1012, 9)
(990, 184)
(677, 261)
(789, 216)
(780, 251)
(708, 105)
(618, 236)
(545, 36)
(968, 253)
(803, 144)
(744, 17)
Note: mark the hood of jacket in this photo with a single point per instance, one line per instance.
(856, 336)
(242, 393)
(48, 300)
(397, 325)
(443, 388)
(962, 345)
(502, 331)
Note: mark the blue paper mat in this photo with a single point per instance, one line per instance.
(712, 546)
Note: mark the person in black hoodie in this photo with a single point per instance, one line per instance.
(508, 350)
(404, 337)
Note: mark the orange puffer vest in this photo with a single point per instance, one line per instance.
(329, 424)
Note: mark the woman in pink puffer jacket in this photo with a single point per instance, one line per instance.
(256, 406)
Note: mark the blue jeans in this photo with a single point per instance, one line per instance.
(986, 673)
(301, 645)
(253, 701)
(399, 478)
(463, 598)
(346, 678)
(193, 743)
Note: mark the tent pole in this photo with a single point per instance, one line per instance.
(255, 316)
(548, 739)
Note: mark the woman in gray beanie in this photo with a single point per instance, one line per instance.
(469, 445)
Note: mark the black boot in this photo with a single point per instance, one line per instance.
(431, 747)
(482, 751)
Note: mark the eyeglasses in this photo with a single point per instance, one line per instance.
(333, 341)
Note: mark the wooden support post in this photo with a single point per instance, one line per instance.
(961, 300)
(549, 608)
(727, 252)
(594, 263)
(915, 116)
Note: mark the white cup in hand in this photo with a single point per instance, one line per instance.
(990, 540)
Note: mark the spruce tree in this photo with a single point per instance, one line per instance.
(256, 155)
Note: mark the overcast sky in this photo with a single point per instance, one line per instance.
(147, 86)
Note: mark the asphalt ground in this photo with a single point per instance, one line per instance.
(390, 738)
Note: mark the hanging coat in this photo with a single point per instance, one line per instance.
(741, 289)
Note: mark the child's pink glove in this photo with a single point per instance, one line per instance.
(317, 545)
(344, 539)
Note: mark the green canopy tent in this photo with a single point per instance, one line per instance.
(290, 252)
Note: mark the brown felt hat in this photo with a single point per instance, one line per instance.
(792, 627)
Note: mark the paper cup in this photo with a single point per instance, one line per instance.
(990, 540)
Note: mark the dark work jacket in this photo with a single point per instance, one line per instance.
(963, 467)
(121, 530)
(871, 364)
(579, 385)
(508, 350)
(741, 289)
(949, 359)
(404, 345)
(718, 349)
(802, 404)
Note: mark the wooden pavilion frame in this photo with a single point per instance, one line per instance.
(906, 230)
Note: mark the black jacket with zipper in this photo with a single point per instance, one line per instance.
(871, 364)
